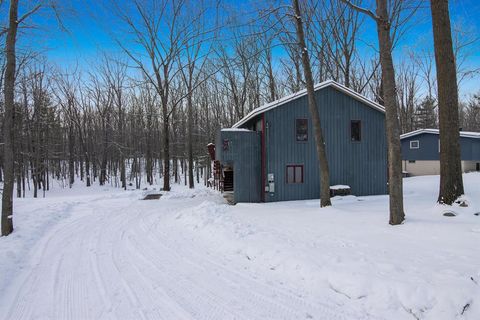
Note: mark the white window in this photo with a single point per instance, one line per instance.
(414, 144)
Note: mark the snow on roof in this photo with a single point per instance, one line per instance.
(339, 187)
(466, 134)
(328, 83)
(236, 129)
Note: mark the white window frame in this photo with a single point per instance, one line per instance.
(418, 144)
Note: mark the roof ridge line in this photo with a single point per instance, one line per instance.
(303, 92)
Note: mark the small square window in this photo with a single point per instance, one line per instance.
(355, 130)
(294, 174)
(301, 129)
(411, 161)
(414, 144)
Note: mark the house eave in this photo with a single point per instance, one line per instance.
(319, 86)
(464, 134)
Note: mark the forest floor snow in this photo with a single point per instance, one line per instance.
(102, 253)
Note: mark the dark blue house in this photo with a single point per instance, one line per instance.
(421, 152)
(270, 155)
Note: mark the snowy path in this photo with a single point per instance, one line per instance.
(116, 260)
(101, 253)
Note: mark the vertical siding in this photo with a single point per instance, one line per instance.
(244, 154)
(361, 165)
(476, 149)
(469, 147)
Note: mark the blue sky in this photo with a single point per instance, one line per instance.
(91, 24)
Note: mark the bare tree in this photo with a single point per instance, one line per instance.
(407, 91)
(194, 51)
(451, 182)
(392, 124)
(159, 34)
(9, 92)
(472, 114)
(114, 73)
(335, 27)
(312, 105)
(241, 71)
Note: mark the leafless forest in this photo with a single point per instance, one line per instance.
(188, 68)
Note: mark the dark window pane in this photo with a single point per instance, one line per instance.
(302, 129)
(356, 130)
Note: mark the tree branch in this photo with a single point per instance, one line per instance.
(29, 13)
(360, 9)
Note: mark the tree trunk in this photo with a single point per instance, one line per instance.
(123, 174)
(312, 105)
(392, 124)
(9, 91)
(451, 182)
(71, 159)
(87, 170)
(191, 183)
(166, 152)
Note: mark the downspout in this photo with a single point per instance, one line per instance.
(263, 156)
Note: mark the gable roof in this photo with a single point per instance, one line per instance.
(296, 95)
(465, 134)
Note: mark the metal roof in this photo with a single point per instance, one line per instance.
(466, 134)
(328, 83)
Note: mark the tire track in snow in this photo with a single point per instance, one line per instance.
(43, 264)
(55, 278)
(280, 303)
(119, 261)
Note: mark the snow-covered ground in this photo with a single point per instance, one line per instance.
(101, 253)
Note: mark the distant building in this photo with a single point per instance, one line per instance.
(270, 155)
(421, 152)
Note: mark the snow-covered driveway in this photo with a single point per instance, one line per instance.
(102, 253)
(119, 257)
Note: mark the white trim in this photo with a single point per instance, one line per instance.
(328, 83)
(418, 144)
(236, 129)
(465, 134)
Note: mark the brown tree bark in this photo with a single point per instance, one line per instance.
(71, 157)
(166, 152)
(392, 123)
(312, 105)
(9, 91)
(191, 183)
(451, 182)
